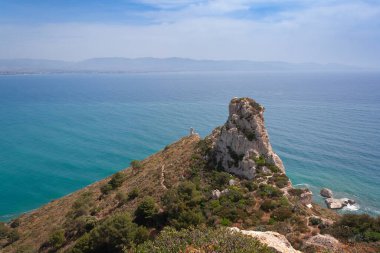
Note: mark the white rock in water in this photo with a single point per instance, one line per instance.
(338, 203)
(242, 139)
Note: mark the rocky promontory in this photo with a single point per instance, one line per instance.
(225, 193)
(242, 144)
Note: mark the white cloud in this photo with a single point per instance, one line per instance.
(329, 31)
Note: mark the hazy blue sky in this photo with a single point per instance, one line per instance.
(341, 31)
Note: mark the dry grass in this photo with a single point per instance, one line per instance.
(36, 226)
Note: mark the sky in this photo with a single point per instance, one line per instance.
(321, 31)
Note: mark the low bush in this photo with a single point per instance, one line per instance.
(205, 240)
(8, 235)
(57, 239)
(116, 234)
(115, 182)
(269, 191)
(281, 213)
(268, 205)
(82, 206)
(354, 227)
(315, 221)
(250, 185)
(146, 212)
(133, 194)
(183, 205)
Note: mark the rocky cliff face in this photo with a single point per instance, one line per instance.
(242, 144)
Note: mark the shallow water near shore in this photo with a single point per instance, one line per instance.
(59, 133)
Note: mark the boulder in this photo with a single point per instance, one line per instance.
(338, 203)
(327, 193)
(232, 182)
(324, 242)
(306, 197)
(216, 194)
(275, 241)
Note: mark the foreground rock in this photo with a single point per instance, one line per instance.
(324, 242)
(338, 203)
(327, 193)
(275, 241)
(241, 145)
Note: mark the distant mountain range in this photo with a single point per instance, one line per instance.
(138, 65)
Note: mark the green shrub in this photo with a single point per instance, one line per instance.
(105, 189)
(250, 185)
(146, 212)
(8, 235)
(296, 192)
(115, 234)
(268, 205)
(117, 180)
(15, 223)
(206, 240)
(279, 180)
(82, 206)
(273, 168)
(225, 222)
(356, 227)
(220, 179)
(315, 221)
(4, 230)
(260, 161)
(122, 198)
(57, 239)
(136, 164)
(281, 214)
(133, 194)
(269, 191)
(183, 205)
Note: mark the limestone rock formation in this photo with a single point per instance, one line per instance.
(275, 241)
(324, 242)
(338, 203)
(242, 143)
(327, 193)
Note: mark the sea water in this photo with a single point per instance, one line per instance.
(61, 132)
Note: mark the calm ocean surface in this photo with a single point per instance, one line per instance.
(59, 133)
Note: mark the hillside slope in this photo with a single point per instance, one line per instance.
(188, 196)
(36, 227)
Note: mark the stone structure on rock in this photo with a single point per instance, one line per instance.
(242, 143)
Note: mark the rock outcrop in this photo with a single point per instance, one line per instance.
(275, 241)
(324, 243)
(327, 193)
(242, 143)
(338, 203)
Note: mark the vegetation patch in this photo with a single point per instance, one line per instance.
(354, 227)
(207, 240)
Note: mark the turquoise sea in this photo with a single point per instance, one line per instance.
(61, 132)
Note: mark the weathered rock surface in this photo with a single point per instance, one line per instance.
(327, 193)
(275, 241)
(338, 203)
(243, 139)
(306, 197)
(324, 242)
